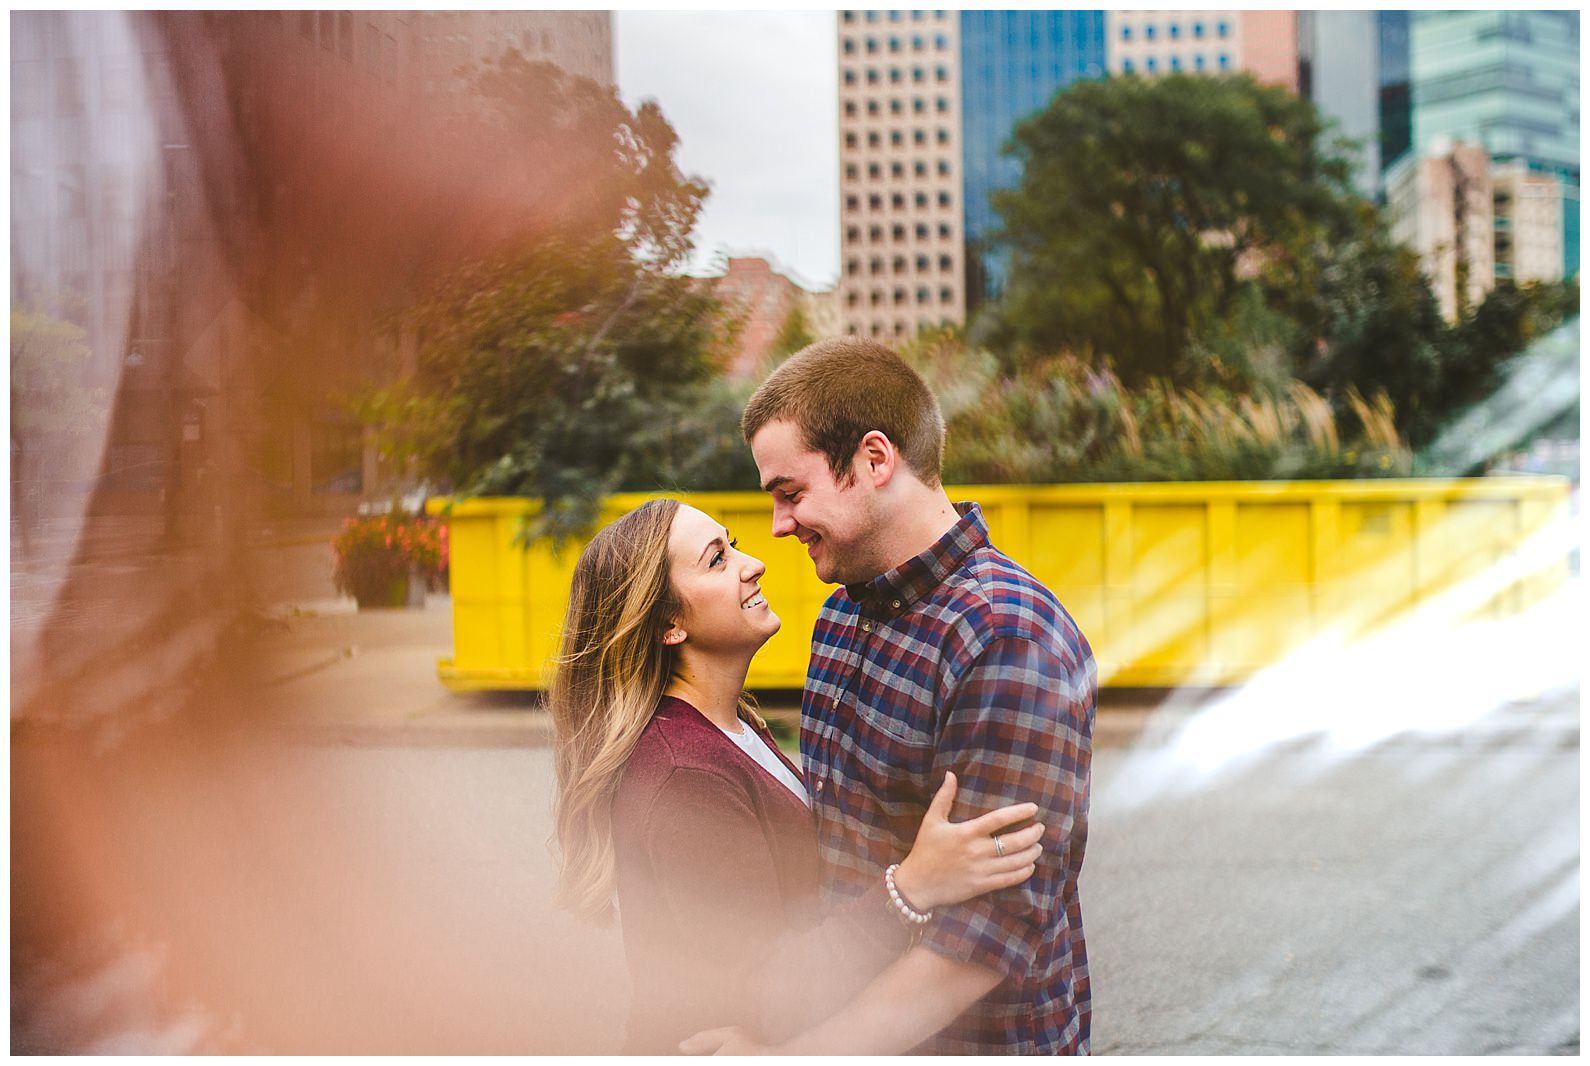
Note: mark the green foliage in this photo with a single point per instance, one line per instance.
(48, 360)
(794, 334)
(1057, 420)
(574, 363)
(1152, 210)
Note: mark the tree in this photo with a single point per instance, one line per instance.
(574, 361)
(794, 334)
(1150, 208)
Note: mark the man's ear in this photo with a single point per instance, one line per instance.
(876, 458)
(673, 634)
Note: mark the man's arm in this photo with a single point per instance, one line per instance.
(914, 998)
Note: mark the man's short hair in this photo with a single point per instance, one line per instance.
(837, 391)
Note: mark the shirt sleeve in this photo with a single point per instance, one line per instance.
(1018, 727)
(719, 880)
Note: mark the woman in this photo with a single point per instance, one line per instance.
(673, 795)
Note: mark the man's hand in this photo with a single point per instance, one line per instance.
(730, 1041)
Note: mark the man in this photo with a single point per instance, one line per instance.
(937, 654)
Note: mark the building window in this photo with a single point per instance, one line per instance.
(920, 169)
(852, 299)
(1175, 62)
(850, 109)
(897, 201)
(852, 172)
(1198, 31)
(899, 298)
(919, 136)
(916, 41)
(850, 76)
(872, 46)
(848, 16)
(896, 170)
(899, 264)
(873, 140)
(1175, 31)
(876, 329)
(1126, 33)
(874, 171)
(944, 231)
(946, 295)
(944, 168)
(894, 16)
(872, 75)
(1152, 64)
(850, 140)
(898, 232)
(896, 106)
(1198, 62)
(946, 264)
(918, 105)
(875, 233)
(850, 46)
(894, 44)
(876, 297)
(921, 231)
(875, 267)
(918, 74)
(896, 138)
(875, 202)
(852, 203)
(921, 199)
(852, 234)
(941, 105)
(1225, 61)
(944, 135)
(1221, 29)
(872, 107)
(944, 199)
(940, 41)
(922, 264)
(872, 16)
(923, 296)
(1148, 31)
(1126, 66)
(941, 73)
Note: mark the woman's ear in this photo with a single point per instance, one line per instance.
(673, 634)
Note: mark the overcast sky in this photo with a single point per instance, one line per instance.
(753, 97)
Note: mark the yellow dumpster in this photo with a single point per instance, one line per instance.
(1200, 583)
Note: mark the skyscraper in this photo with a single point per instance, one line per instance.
(900, 160)
(1012, 64)
(1505, 80)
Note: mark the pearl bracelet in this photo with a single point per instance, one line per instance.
(906, 913)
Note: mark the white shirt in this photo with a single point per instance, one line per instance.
(753, 745)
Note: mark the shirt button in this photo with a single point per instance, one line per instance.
(819, 786)
(835, 705)
(897, 605)
(866, 627)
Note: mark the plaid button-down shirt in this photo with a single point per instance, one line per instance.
(961, 660)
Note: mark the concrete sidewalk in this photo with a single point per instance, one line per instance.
(336, 675)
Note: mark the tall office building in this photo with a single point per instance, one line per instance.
(926, 101)
(1442, 204)
(1339, 70)
(1012, 64)
(1263, 43)
(901, 206)
(1396, 98)
(1507, 81)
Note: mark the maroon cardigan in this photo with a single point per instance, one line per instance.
(718, 893)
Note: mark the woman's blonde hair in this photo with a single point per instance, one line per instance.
(611, 672)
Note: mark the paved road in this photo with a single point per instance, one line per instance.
(1418, 895)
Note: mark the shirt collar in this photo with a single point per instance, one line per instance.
(893, 592)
